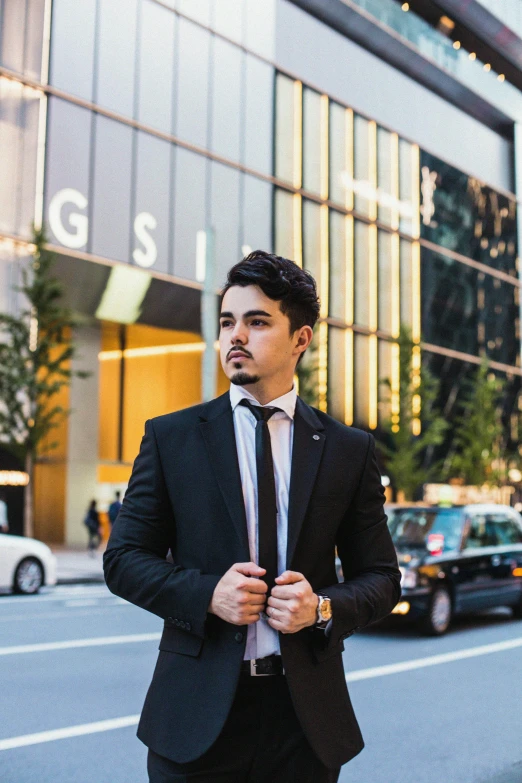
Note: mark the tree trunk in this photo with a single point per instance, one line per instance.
(28, 498)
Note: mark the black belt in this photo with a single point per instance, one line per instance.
(263, 667)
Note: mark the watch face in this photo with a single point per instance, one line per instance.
(326, 609)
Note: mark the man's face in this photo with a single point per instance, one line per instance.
(255, 340)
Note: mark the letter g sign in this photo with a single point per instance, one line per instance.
(79, 222)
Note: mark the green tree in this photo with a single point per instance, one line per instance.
(478, 442)
(35, 356)
(306, 372)
(416, 425)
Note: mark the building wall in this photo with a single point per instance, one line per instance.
(370, 86)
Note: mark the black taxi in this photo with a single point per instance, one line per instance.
(456, 560)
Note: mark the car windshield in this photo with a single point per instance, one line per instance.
(435, 528)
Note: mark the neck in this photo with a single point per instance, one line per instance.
(266, 391)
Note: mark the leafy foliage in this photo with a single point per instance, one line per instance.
(404, 450)
(35, 356)
(478, 440)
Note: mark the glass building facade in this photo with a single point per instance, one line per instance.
(129, 127)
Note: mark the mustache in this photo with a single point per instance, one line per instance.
(239, 350)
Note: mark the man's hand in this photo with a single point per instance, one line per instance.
(238, 597)
(292, 605)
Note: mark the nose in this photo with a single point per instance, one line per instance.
(238, 336)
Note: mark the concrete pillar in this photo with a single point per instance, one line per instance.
(82, 446)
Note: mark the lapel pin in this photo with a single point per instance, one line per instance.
(315, 437)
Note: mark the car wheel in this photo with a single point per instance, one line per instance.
(29, 576)
(438, 619)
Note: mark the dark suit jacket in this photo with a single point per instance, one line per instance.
(185, 495)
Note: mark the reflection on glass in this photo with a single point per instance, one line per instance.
(226, 99)
(341, 266)
(385, 175)
(193, 64)
(385, 281)
(312, 241)
(110, 228)
(117, 56)
(19, 112)
(365, 165)
(21, 36)
(361, 381)
(189, 209)
(285, 129)
(385, 374)
(284, 224)
(341, 155)
(406, 257)
(336, 373)
(257, 214)
(406, 194)
(462, 214)
(259, 111)
(362, 276)
(225, 217)
(71, 67)
(156, 66)
(228, 18)
(312, 141)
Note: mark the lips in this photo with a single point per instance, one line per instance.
(237, 355)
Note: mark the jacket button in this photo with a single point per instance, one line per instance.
(187, 626)
(176, 622)
(182, 624)
(238, 637)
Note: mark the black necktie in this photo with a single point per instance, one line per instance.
(266, 493)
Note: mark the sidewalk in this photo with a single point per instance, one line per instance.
(76, 566)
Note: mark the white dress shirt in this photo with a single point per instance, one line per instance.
(262, 640)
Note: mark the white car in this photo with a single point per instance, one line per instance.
(25, 564)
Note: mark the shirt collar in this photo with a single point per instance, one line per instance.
(286, 402)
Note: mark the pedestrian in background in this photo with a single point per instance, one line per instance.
(4, 521)
(114, 509)
(92, 523)
(252, 492)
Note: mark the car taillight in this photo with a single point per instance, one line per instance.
(435, 543)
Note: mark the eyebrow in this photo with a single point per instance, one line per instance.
(248, 314)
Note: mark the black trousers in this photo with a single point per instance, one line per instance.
(261, 742)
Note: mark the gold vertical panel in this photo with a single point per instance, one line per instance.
(372, 168)
(394, 166)
(348, 378)
(349, 313)
(298, 134)
(297, 232)
(323, 327)
(373, 293)
(373, 382)
(348, 119)
(396, 286)
(395, 387)
(415, 292)
(415, 191)
(325, 160)
(322, 370)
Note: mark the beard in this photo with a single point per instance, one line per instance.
(242, 378)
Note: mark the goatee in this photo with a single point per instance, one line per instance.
(244, 379)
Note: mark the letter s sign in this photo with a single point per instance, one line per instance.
(142, 222)
(77, 221)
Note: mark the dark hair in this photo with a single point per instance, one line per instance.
(281, 280)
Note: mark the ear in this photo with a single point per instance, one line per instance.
(303, 338)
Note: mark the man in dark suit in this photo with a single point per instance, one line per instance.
(252, 493)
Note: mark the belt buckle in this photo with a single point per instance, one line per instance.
(253, 669)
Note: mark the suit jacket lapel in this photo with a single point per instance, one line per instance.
(307, 450)
(217, 428)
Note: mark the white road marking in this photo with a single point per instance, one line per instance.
(67, 613)
(70, 731)
(433, 660)
(82, 602)
(97, 641)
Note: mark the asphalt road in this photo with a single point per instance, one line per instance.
(75, 663)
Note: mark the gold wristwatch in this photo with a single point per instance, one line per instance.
(324, 610)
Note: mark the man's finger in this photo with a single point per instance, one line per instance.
(277, 603)
(289, 578)
(249, 569)
(285, 592)
(255, 586)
